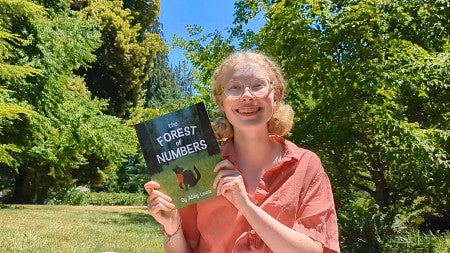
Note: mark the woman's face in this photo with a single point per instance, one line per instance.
(248, 99)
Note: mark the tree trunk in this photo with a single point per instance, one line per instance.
(381, 189)
(20, 186)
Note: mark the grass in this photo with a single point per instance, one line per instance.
(37, 228)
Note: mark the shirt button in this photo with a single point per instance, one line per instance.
(252, 232)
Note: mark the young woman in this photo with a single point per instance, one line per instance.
(272, 196)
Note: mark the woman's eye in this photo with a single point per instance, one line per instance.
(234, 87)
(258, 86)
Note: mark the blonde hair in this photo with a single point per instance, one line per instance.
(283, 115)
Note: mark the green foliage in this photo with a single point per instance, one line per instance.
(9, 110)
(205, 53)
(166, 89)
(116, 199)
(417, 242)
(129, 177)
(82, 196)
(126, 56)
(145, 13)
(67, 137)
(75, 196)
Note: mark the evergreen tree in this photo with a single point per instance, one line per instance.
(66, 133)
(127, 54)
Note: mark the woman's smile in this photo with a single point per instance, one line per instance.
(248, 110)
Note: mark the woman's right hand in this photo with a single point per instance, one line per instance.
(160, 206)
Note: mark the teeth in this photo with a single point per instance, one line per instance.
(248, 110)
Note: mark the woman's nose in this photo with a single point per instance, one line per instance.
(247, 94)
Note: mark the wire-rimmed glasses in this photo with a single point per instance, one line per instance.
(257, 87)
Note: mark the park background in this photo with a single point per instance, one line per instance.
(368, 80)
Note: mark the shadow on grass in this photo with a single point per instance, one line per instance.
(5, 206)
(138, 218)
(128, 218)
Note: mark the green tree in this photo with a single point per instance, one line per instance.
(126, 56)
(11, 111)
(145, 13)
(67, 137)
(204, 53)
(167, 89)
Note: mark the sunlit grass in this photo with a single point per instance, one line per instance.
(34, 228)
(31, 228)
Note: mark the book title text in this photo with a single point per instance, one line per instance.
(176, 135)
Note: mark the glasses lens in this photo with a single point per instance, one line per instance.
(257, 87)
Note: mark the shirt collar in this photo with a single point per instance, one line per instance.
(229, 153)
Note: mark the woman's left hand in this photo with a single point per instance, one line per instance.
(229, 183)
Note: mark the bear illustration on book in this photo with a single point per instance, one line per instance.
(187, 178)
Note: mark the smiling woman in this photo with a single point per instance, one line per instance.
(272, 196)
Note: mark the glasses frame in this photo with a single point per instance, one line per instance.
(271, 88)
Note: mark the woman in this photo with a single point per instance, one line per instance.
(272, 196)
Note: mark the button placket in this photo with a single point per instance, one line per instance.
(252, 239)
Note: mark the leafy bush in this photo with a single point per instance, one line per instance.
(442, 243)
(5, 195)
(115, 199)
(129, 177)
(81, 196)
(74, 196)
(417, 242)
(362, 225)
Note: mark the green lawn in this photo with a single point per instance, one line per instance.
(36, 228)
(123, 229)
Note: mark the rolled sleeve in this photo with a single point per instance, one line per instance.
(316, 215)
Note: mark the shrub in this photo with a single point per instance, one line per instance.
(116, 199)
(81, 196)
(416, 242)
(74, 196)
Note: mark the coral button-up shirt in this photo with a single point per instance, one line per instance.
(297, 192)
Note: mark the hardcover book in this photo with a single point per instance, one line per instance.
(180, 151)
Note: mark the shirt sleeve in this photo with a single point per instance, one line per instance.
(316, 215)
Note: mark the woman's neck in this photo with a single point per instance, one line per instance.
(256, 152)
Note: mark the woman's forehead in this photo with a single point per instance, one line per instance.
(243, 70)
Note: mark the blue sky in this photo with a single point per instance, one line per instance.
(211, 15)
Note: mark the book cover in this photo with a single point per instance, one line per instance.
(180, 151)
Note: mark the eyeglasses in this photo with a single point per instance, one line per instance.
(257, 87)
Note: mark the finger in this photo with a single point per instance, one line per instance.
(150, 186)
(217, 179)
(156, 210)
(224, 164)
(157, 194)
(218, 186)
(224, 174)
(225, 186)
(159, 204)
(223, 183)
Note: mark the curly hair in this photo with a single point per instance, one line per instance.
(283, 116)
